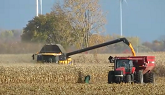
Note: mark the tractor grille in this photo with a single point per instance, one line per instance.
(118, 73)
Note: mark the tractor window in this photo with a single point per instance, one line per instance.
(128, 64)
(122, 63)
(131, 63)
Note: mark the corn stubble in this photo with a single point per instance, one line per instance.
(42, 79)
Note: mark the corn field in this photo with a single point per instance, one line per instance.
(19, 75)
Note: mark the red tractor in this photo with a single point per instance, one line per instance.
(136, 69)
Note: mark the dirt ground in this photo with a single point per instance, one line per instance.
(20, 75)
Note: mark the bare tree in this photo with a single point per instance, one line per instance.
(86, 17)
(64, 29)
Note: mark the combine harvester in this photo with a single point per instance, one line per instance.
(126, 69)
(50, 53)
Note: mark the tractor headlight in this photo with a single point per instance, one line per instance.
(153, 62)
(119, 73)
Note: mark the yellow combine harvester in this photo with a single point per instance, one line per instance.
(57, 54)
(48, 54)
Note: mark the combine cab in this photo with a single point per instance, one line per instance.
(132, 69)
(49, 53)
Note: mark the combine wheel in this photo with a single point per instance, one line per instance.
(139, 76)
(111, 77)
(128, 79)
(151, 77)
(50, 60)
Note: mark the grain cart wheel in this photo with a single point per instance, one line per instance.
(151, 77)
(111, 77)
(139, 76)
(128, 79)
(146, 77)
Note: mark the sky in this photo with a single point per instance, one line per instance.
(142, 18)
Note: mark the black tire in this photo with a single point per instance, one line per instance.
(111, 77)
(139, 76)
(50, 60)
(151, 78)
(146, 77)
(128, 79)
(118, 80)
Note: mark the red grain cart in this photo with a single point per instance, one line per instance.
(132, 69)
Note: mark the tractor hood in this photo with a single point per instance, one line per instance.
(121, 69)
(124, 71)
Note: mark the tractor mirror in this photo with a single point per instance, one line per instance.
(33, 56)
(111, 59)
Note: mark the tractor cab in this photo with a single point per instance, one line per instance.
(122, 64)
(125, 65)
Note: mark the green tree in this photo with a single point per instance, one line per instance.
(16, 35)
(6, 35)
(33, 31)
(50, 28)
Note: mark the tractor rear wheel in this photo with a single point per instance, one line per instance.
(111, 77)
(128, 79)
(139, 76)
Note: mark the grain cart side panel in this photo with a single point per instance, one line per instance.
(145, 63)
(150, 63)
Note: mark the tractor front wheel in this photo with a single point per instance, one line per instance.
(118, 80)
(128, 79)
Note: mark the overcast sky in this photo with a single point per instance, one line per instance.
(142, 18)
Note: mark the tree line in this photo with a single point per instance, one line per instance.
(10, 42)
